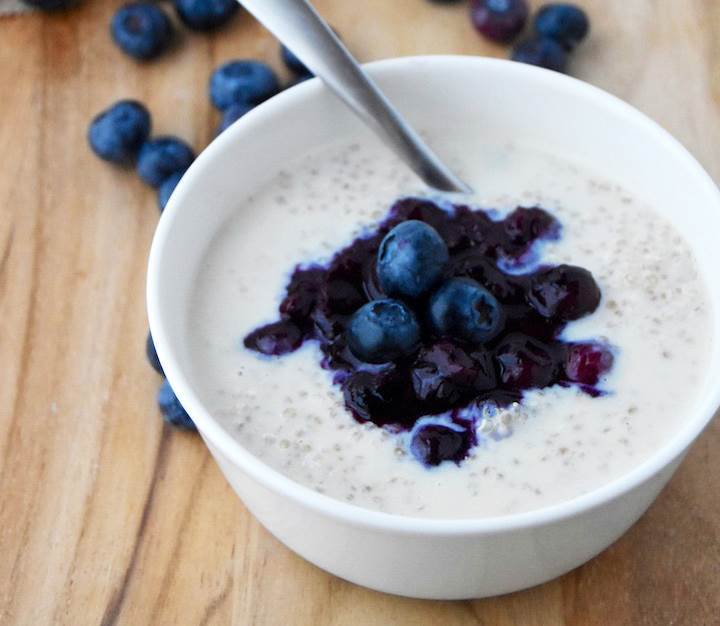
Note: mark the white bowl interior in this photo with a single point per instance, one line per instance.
(480, 100)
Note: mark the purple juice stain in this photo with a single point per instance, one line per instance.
(447, 376)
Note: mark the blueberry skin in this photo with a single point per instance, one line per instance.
(411, 259)
(432, 444)
(117, 133)
(232, 114)
(171, 409)
(543, 52)
(295, 65)
(50, 5)
(382, 331)
(152, 356)
(249, 82)
(205, 14)
(141, 30)
(162, 156)
(464, 309)
(167, 187)
(565, 23)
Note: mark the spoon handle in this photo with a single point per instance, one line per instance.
(302, 30)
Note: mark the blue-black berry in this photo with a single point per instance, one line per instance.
(543, 52)
(152, 356)
(232, 114)
(117, 133)
(565, 23)
(171, 409)
(162, 156)
(205, 14)
(236, 82)
(141, 29)
(167, 187)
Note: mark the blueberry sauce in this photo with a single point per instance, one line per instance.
(446, 375)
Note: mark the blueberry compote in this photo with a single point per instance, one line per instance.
(447, 372)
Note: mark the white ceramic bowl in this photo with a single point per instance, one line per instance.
(483, 98)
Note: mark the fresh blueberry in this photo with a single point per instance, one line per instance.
(162, 156)
(249, 82)
(50, 5)
(463, 309)
(232, 114)
(411, 259)
(205, 14)
(167, 187)
(152, 356)
(499, 20)
(585, 363)
(431, 444)
(117, 133)
(444, 374)
(295, 65)
(566, 23)
(171, 409)
(526, 363)
(564, 293)
(382, 331)
(543, 52)
(275, 339)
(141, 29)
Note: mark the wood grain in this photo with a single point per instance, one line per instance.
(106, 516)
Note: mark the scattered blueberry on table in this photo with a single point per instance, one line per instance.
(171, 409)
(565, 23)
(162, 156)
(167, 187)
(152, 355)
(141, 30)
(50, 5)
(543, 52)
(205, 14)
(295, 65)
(499, 20)
(117, 133)
(242, 82)
(232, 114)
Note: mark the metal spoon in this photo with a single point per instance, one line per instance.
(297, 24)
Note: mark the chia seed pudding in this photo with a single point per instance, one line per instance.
(526, 448)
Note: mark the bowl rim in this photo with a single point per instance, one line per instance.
(214, 434)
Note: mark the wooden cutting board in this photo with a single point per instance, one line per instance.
(108, 517)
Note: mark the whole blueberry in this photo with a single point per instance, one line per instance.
(141, 29)
(162, 156)
(382, 331)
(249, 82)
(499, 20)
(167, 187)
(525, 362)
(117, 133)
(411, 259)
(541, 51)
(566, 23)
(205, 14)
(564, 293)
(152, 356)
(294, 64)
(463, 309)
(171, 409)
(431, 444)
(232, 114)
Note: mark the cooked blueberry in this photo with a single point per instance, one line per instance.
(566, 23)
(565, 292)
(377, 396)
(205, 14)
(162, 156)
(152, 356)
(302, 293)
(167, 187)
(249, 82)
(141, 29)
(499, 20)
(382, 331)
(341, 296)
(411, 259)
(541, 51)
(431, 444)
(445, 374)
(525, 362)
(171, 409)
(117, 133)
(275, 339)
(232, 114)
(525, 225)
(475, 264)
(585, 363)
(464, 309)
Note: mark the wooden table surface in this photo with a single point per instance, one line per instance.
(108, 517)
